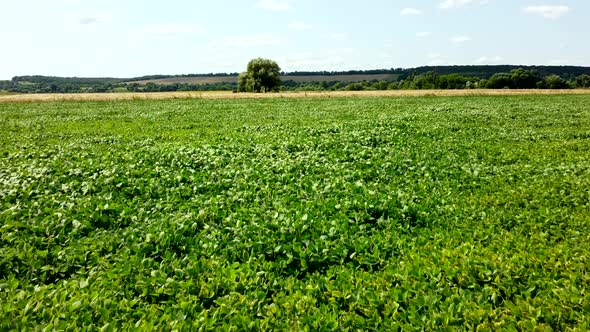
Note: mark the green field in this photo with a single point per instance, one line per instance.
(296, 214)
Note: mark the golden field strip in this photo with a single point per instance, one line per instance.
(229, 95)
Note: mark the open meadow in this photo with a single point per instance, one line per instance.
(366, 212)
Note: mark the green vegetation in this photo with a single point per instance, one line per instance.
(430, 77)
(261, 75)
(296, 214)
(519, 78)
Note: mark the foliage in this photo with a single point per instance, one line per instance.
(432, 80)
(583, 81)
(152, 87)
(357, 86)
(524, 79)
(67, 80)
(261, 75)
(296, 214)
(554, 82)
(430, 77)
(245, 83)
(157, 77)
(456, 81)
(479, 71)
(5, 85)
(500, 81)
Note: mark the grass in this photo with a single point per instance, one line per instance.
(367, 213)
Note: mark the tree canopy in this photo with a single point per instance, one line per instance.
(583, 81)
(261, 75)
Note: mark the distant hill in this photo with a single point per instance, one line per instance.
(487, 71)
(566, 72)
(70, 80)
(295, 78)
(443, 77)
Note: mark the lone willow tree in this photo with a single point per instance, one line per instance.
(261, 75)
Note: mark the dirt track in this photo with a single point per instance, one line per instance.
(230, 95)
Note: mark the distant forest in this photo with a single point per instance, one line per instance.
(427, 77)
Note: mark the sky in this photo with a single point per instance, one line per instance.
(129, 38)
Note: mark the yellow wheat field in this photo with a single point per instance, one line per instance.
(230, 95)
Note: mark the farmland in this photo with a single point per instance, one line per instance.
(335, 212)
(294, 78)
(57, 97)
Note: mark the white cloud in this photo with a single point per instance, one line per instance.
(275, 5)
(88, 16)
(551, 12)
(460, 39)
(489, 60)
(437, 62)
(247, 41)
(320, 59)
(423, 34)
(436, 59)
(171, 29)
(88, 20)
(448, 4)
(145, 37)
(338, 36)
(558, 62)
(410, 11)
(66, 2)
(299, 26)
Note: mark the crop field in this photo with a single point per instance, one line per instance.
(331, 213)
(56, 97)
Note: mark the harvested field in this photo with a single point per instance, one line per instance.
(52, 97)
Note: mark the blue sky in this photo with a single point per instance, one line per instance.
(125, 38)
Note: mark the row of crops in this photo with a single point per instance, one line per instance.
(296, 214)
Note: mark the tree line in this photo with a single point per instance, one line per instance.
(442, 77)
(63, 87)
(519, 78)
